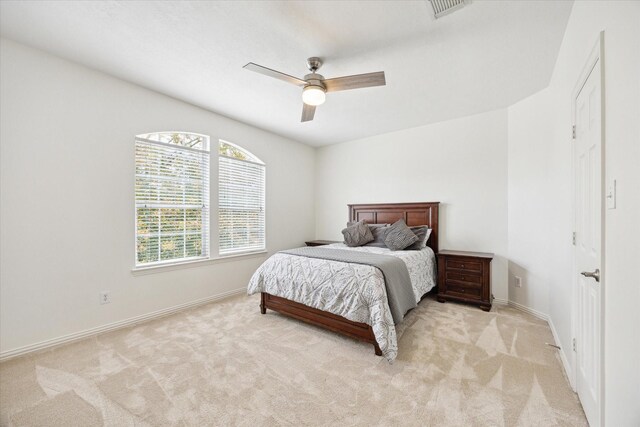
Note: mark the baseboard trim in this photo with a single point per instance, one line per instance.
(536, 313)
(66, 339)
(563, 356)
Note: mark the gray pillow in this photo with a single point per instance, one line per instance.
(423, 232)
(357, 235)
(378, 231)
(399, 236)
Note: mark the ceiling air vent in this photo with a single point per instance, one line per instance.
(443, 7)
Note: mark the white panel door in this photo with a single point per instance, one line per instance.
(588, 208)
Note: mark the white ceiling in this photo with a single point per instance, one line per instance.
(487, 55)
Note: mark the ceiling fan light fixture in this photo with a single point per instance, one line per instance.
(313, 95)
(314, 86)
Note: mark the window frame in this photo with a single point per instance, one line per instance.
(205, 230)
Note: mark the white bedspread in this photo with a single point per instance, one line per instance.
(354, 291)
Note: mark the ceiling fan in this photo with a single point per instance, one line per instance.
(315, 86)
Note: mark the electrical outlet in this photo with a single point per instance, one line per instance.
(105, 297)
(518, 283)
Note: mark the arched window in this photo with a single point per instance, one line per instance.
(241, 188)
(171, 197)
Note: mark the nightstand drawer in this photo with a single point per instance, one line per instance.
(463, 291)
(449, 283)
(462, 264)
(466, 277)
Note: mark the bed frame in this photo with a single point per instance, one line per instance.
(425, 213)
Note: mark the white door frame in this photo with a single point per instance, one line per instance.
(595, 59)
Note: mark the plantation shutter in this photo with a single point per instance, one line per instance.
(171, 198)
(241, 205)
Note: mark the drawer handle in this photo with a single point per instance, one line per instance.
(462, 277)
(462, 266)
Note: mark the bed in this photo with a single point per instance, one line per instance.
(347, 298)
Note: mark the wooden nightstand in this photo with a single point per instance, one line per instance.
(465, 276)
(320, 242)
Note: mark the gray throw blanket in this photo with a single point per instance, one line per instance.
(396, 276)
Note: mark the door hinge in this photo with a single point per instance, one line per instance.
(573, 239)
(574, 344)
(573, 132)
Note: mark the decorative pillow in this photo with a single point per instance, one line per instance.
(399, 236)
(357, 235)
(379, 232)
(423, 232)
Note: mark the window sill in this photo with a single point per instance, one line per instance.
(140, 271)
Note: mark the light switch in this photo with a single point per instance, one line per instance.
(611, 194)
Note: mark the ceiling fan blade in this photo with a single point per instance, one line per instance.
(308, 111)
(355, 82)
(273, 73)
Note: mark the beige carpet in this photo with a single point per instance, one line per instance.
(225, 364)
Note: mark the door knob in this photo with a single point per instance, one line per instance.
(594, 274)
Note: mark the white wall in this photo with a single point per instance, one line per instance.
(529, 213)
(67, 212)
(545, 120)
(461, 163)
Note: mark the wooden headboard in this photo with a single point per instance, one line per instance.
(425, 213)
